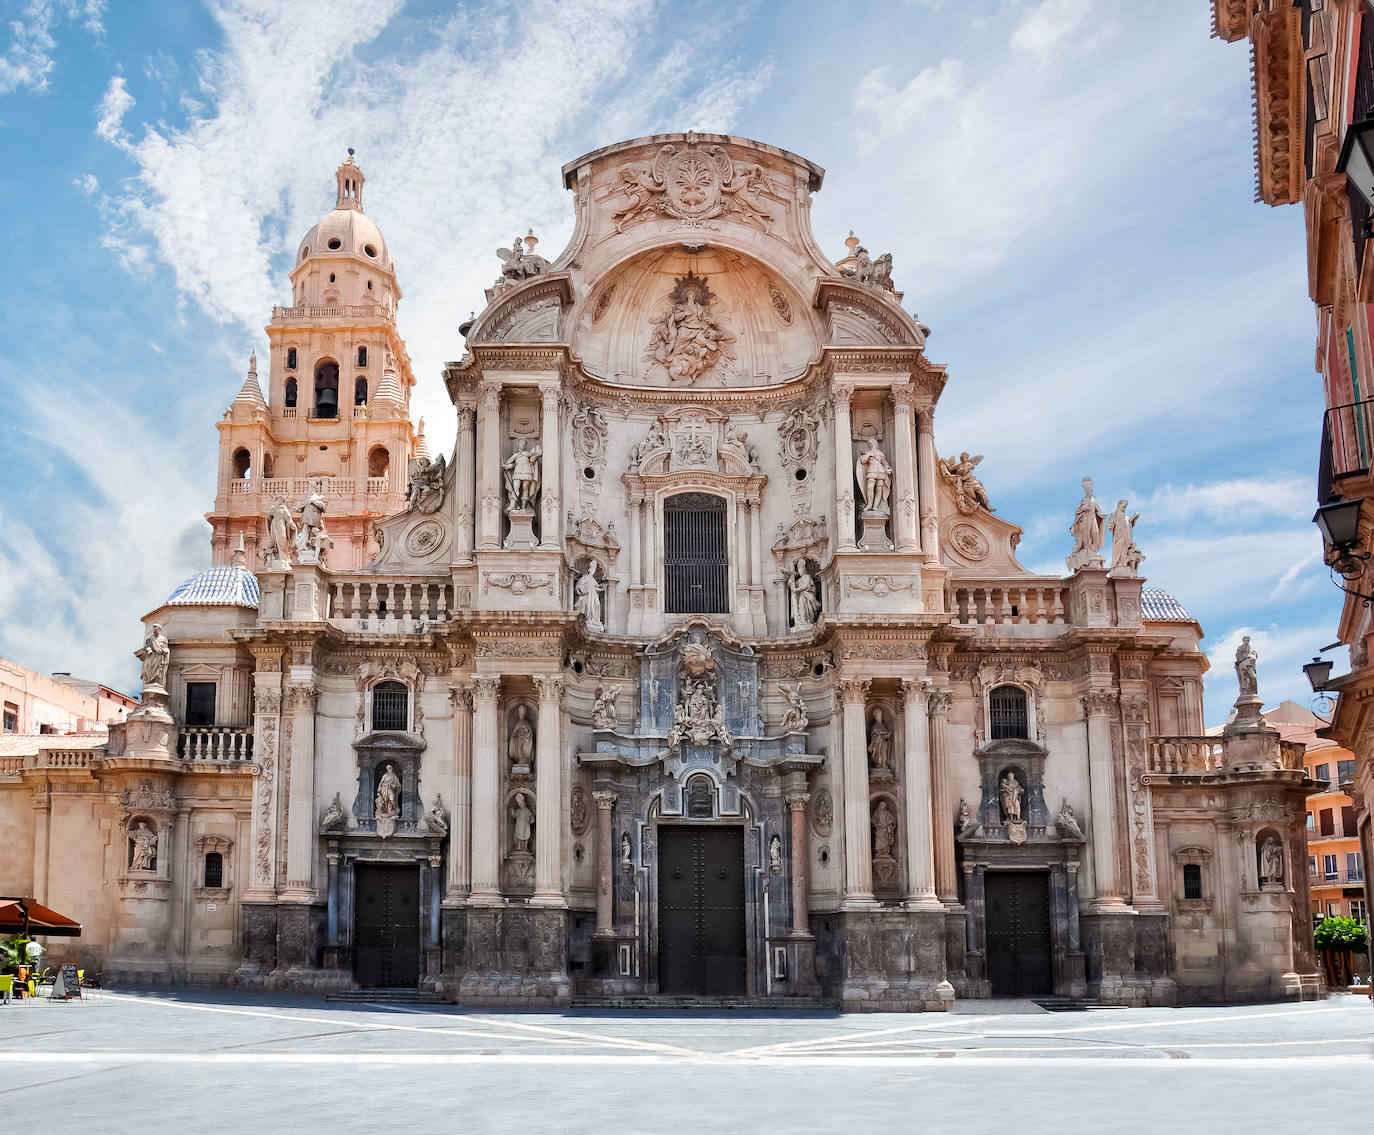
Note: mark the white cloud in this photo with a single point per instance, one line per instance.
(114, 105)
(887, 111)
(1045, 27)
(1235, 502)
(28, 60)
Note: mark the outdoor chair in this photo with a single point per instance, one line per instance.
(7, 988)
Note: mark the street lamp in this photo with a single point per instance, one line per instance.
(1318, 672)
(1339, 522)
(1357, 158)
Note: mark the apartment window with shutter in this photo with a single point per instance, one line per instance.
(1326, 822)
(1329, 868)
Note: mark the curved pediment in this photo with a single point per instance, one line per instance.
(530, 312)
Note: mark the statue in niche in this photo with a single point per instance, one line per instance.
(1067, 822)
(1126, 556)
(794, 719)
(964, 823)
(874, 473)
(884, 831)
(436, 819)
(1087, 531)
(1010, 792)
(522, 476)
(333, 819)
(522, 820)
(142, 848)
(603, 711)
(969, 493)
(281, 532)
(426, 492)
(775, 854)
(156, 655)
(626, 851)
(588, 597)
(879, 743)
(1247, 674)
(698, 718)
(806, 604)
(688, 340)
(312, 541)
(1271, 861)
(522, 739)
(387, 806)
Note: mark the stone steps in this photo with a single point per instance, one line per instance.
(389, 997)
(712, 1003)
(1072, 1004)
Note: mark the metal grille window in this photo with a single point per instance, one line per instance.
(1007, 710)
(389, 706)
(695, 551)
(1192, 881)
(214, 869)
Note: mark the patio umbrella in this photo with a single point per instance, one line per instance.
(24, 916)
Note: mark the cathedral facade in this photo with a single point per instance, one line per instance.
(695, 670)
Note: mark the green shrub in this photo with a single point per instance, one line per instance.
(1341, 934)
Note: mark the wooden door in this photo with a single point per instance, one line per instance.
(701, 911)
(386, 934)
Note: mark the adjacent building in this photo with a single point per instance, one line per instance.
(37, 704)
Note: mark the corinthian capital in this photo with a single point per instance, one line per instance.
(854, 690)
(940, 703)
(486, 687)
(1100, 703)
(550, 686)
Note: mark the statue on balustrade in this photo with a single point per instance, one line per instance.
(522, 476)
(156, 655)
(1126, 556)
(281, 533)
(1087, 531)
(1247, 673)
(806, 604)
(874, 474)
(312, 540)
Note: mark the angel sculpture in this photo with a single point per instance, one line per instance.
(426, 492)
(522, 476)
(603, 712)
(520, 262)
(794, 719)
(968, 489)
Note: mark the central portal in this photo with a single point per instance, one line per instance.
(1018, 929)
(701, 911)
(386, 932)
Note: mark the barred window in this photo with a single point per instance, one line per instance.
(1007, 710)
(695, 552)
(1192, 881)
(389, 706)
(214, 869)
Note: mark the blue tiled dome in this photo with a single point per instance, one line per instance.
(1158, 606)
(227, 586)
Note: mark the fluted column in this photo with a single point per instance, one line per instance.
(946, 872)
(926, 485)
(489, 466)
(844, 469)
(605, 865)
(858, 835)
(801, 922)
(755, 542)
(486, 788)
(464, 485)
(904, 503)
(551, 468)
(920, 841)
(548, 794)
(460, 793)
(300, 817)
(267, 731)
(1100, 707)
(636, 572)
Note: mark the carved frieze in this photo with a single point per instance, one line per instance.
(517, 648)
(692, 184)
(517, 583)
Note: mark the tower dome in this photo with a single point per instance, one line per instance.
(348, 235)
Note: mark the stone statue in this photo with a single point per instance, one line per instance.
(1087, 531)
(879, 743)
(876, 274)
(884, 831)
(426, 492)
(388, 802)
(970, 495)
(522, 476)
(806, 605)
(1246, 674)
(626, 851)
(1126, 557)
(1011, 793)
(311, 539)
(738, 440)
(603, 712)
(520, 261)
(522, 739)
(523, 820)
(143, 856)
(281, 532)
(775, 854)
(874, 473)
(964, 824)
(156, 655)
(1068, 822)
(688, 340)
(794, 719)
(1271, 861)
(588, 598)
(436, 819)
(333, 819)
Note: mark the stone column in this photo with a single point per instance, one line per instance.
(266, 739)
(858, 835)
(920, 842)
(300, 816)
(551, 472)
(844, 471)
(927, 485)
(486, 788)
(489, 466)
(548, 794)
(1101, 706)
(636, 574)
(460, 794)
(464, 485)
(742, 543)
(605, 864)
(42, 815)
(946, 873)
(755, 541)
(332, 897)
(801, 923)
(904, 503)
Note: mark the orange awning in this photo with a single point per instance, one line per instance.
(40, 919)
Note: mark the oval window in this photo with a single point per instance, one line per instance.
(305, 252)
(334, 242)
(369, 250)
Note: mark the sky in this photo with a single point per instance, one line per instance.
(1065, 186)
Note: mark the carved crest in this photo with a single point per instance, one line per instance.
(692, 184)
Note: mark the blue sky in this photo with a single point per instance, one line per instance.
(1065, 187)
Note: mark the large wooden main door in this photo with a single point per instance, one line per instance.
(1018, 933)
(386, 929)
(701, 944)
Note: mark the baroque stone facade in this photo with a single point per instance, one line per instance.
(695, 670)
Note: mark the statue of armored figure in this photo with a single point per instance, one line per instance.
(522, 476)
(874, 474)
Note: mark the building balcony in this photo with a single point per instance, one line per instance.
(218, 744)
(1341, 878)
(1212, 756)
(390, 604)
(1011, 603)
(1347, 450)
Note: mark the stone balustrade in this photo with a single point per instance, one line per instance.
(65, 758)
(1185, 756)
(11, 766)
(1011, 603)
(385, 602)
(222, 744)
(310, 311)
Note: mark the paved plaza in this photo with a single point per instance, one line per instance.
(208, 1061)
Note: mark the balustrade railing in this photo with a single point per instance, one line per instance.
(294, 488)
(64, 758)
(1185, 756)
(383, 603)
(312, 311)
(999, 604)
(218, 743)
(11, 766)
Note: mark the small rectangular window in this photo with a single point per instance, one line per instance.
(1329, 866)
(200, 704)
(1311, 822)
(1348, 820)
(1327, 822)
(214, 869)
(362, 356)
(1312, 866)
(1354, 870)
(290, 358)
(1322, 772)
(11, 720)
(1192, 881)
(1345, 771)
(1358, 910)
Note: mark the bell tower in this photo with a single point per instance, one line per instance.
(337, 407)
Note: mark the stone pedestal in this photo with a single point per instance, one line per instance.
(521, 536)
(886, 960)
(873, 531)
(507, 956)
